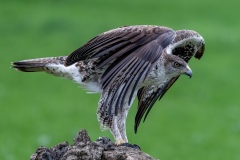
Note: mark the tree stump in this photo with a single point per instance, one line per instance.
(84, 149)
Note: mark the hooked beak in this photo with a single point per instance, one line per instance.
(188, 72)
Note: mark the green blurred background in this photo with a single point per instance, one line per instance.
(197, 119)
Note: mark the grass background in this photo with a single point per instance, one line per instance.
(197, 119)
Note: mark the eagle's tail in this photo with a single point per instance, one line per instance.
(38, 64)
(52, 65)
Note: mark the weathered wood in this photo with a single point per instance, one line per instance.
(84, 149)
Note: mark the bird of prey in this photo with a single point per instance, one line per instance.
(140, 61)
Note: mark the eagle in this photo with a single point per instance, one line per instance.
(141, 61)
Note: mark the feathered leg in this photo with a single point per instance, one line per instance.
(108, 121)
(115, 123)
(116, 132)
(122, 117)
(121, 124)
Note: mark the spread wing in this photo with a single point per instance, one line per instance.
(120, 41)
(183, 46)
(130, 53)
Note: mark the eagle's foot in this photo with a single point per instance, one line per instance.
(135, 146)
(107, 143)
(104, 140)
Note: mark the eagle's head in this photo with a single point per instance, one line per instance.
(175, 66)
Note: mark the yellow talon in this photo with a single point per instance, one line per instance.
(119, 141)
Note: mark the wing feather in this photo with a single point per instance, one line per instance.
(97, 45)
(140, 63)
(129, 53)
(131, 34)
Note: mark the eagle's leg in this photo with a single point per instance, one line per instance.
(115, 123)
(122, 129)
(108, 121)
(122, 124)
(115, 131)
(121, 119)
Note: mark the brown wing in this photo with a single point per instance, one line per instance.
(131, 53)
(146, 101)
(121, 41)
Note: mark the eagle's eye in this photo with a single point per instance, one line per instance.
(176, 64)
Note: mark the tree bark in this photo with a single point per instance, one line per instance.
(84, 149)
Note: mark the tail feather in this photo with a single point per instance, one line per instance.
(38, 64)
(28, 67)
